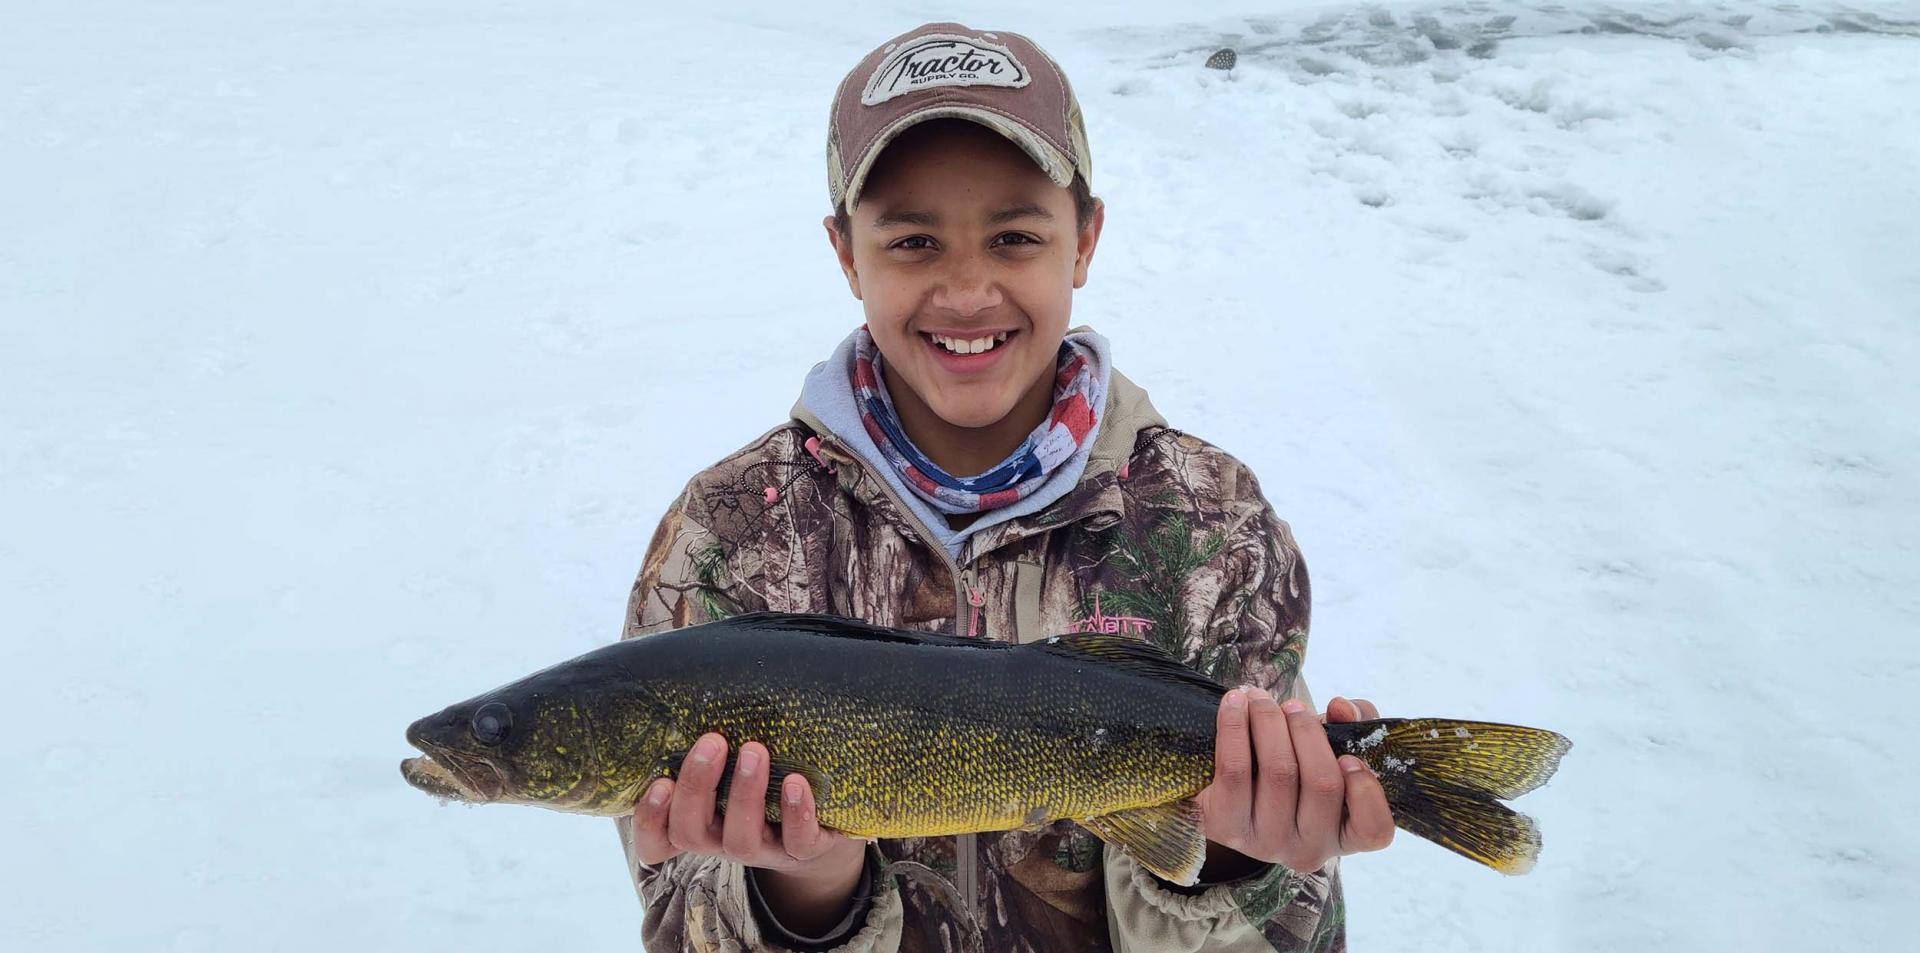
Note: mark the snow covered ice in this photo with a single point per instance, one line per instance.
(349, 352)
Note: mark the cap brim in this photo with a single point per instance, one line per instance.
(1050, 159)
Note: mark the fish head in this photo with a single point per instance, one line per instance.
(575, 738)
(507, 748)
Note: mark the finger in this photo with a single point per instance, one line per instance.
(744, 834)
(1229, 816)
(690, 822)
(1367, 711)
(650, 844)
(800, 833)
(1369, 823)
(1341, 710)
(1277, 792)
(1321, 788)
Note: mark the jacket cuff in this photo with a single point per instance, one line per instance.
(1199, 902)
(840, 936)
(1259, 873)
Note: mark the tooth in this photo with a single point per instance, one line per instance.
(999, 337)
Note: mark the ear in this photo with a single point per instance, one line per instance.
(1089, 238)
(843, 250)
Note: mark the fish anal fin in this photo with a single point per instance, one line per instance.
(1164, 838)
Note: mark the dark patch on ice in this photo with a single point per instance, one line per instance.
(1718, 43)
(1573, 201)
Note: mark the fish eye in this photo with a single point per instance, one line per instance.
(491, 723)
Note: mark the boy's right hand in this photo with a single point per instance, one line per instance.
(808, 872)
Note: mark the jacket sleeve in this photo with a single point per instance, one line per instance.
(1249, 603)
(700, 903)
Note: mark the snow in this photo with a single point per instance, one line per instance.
(352, 349)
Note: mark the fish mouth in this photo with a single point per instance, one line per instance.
(453, 775)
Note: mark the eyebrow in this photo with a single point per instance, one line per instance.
(892, 218)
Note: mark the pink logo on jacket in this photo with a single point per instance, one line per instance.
(1111, 624)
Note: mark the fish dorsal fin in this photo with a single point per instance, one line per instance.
(1127, 653)
(1164, 838)
(841, 627)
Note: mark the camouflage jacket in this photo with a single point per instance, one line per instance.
(1164, 536)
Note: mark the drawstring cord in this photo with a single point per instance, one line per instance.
(772, 493)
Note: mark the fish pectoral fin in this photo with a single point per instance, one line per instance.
(1164, 838)
(777, 770)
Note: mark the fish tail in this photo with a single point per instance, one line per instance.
(1444, 781)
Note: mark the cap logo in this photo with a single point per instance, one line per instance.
(942, 59)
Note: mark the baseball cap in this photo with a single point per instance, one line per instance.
(1000, 80)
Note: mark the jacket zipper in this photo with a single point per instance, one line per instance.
(964, 848)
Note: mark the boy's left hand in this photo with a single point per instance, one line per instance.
(1279, 795)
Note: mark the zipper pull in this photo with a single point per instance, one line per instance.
(977, 600)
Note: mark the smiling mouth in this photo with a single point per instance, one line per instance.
(968, 346)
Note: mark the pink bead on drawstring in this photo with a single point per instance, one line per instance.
(773, 496)
(1123, 468)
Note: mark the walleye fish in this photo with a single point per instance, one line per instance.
(903, 734)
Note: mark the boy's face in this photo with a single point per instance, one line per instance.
(960, 238)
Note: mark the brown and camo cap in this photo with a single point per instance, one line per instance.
(947, 71)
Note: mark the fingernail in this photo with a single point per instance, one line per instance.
(1350, 764)
(706, 751)
(1292, 706)
(792, 792)
(749, 760)
(1236, 699)
(1259, 693)
(657, 795)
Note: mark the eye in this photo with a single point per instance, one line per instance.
(905, 245)
(491, 723)
(1024, 239)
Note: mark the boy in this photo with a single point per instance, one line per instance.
(966, 463)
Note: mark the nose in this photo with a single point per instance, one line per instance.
(967, 286)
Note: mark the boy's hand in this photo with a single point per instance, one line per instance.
(1278, 794)
(808, 874)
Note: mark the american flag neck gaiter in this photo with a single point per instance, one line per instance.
(1052, 443)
